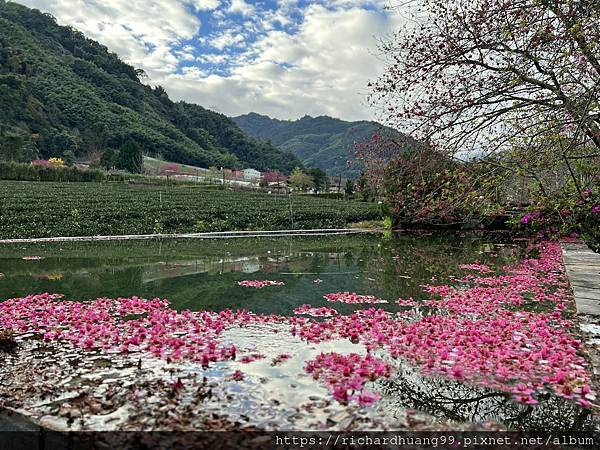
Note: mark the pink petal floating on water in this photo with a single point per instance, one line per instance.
(315, 312)
(159, 331)
(345, 375)
(475, 333)
(260, 283)
(238, 375)
(251, 358)
(352, 298)
(478, 335)
(481, 268)
(367, 398)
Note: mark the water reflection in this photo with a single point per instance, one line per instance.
(203, 274)
(450, 400)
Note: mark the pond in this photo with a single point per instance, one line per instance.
(203, 275)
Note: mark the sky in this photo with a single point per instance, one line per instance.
(282, 58)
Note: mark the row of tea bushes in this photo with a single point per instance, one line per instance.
(30, 172)
(30, 210)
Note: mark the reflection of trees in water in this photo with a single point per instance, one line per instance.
(449, 400)
(406, 263)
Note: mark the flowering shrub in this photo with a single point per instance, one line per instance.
(565, 215)
(56, 162)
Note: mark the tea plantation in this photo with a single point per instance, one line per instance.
(32, 209)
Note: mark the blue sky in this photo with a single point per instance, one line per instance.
(283, 58)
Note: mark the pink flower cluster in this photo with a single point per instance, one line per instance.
(251, 358)
(260, 283)
(158, 330)
(315, 312)
(477, 336)
(283, 357)
(476, 332)
(346, 375)
(352, 298)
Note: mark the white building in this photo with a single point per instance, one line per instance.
(251, 175)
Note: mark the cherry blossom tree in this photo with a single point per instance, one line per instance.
(486, 75)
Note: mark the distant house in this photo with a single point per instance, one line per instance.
(252, 175)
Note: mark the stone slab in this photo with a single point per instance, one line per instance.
(583, 270)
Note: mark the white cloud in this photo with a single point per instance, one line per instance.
(230, 38)
(320, 65)
(213, 58)
(241, 7)
(141, 32)
(322, 69)
(205, 5)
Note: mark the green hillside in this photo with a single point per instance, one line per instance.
(61, 92)
(322, 142)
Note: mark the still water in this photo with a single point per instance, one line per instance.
(204, 275)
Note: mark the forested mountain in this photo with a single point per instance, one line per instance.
(322, 142)
(61, 92)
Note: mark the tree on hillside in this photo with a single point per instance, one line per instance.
(131, 158)
(273, 176)
(109, 158)
(300, 181)
(57, 143)
(349, 189)
(319, 176)
(488, 76)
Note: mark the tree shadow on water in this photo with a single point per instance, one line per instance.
(450, 400)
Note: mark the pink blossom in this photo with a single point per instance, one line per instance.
(476, 332)
(251, 358)
(315, 312)
(346, 375)
(260, 283)
(238, 375)
(280, 359)
(481, 268)
(352, 298)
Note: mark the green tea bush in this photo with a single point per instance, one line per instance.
(29, 172)
(30, 209)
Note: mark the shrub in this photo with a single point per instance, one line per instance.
(41, 170)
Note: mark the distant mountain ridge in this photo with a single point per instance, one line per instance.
(324, 142)
(61, 92)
